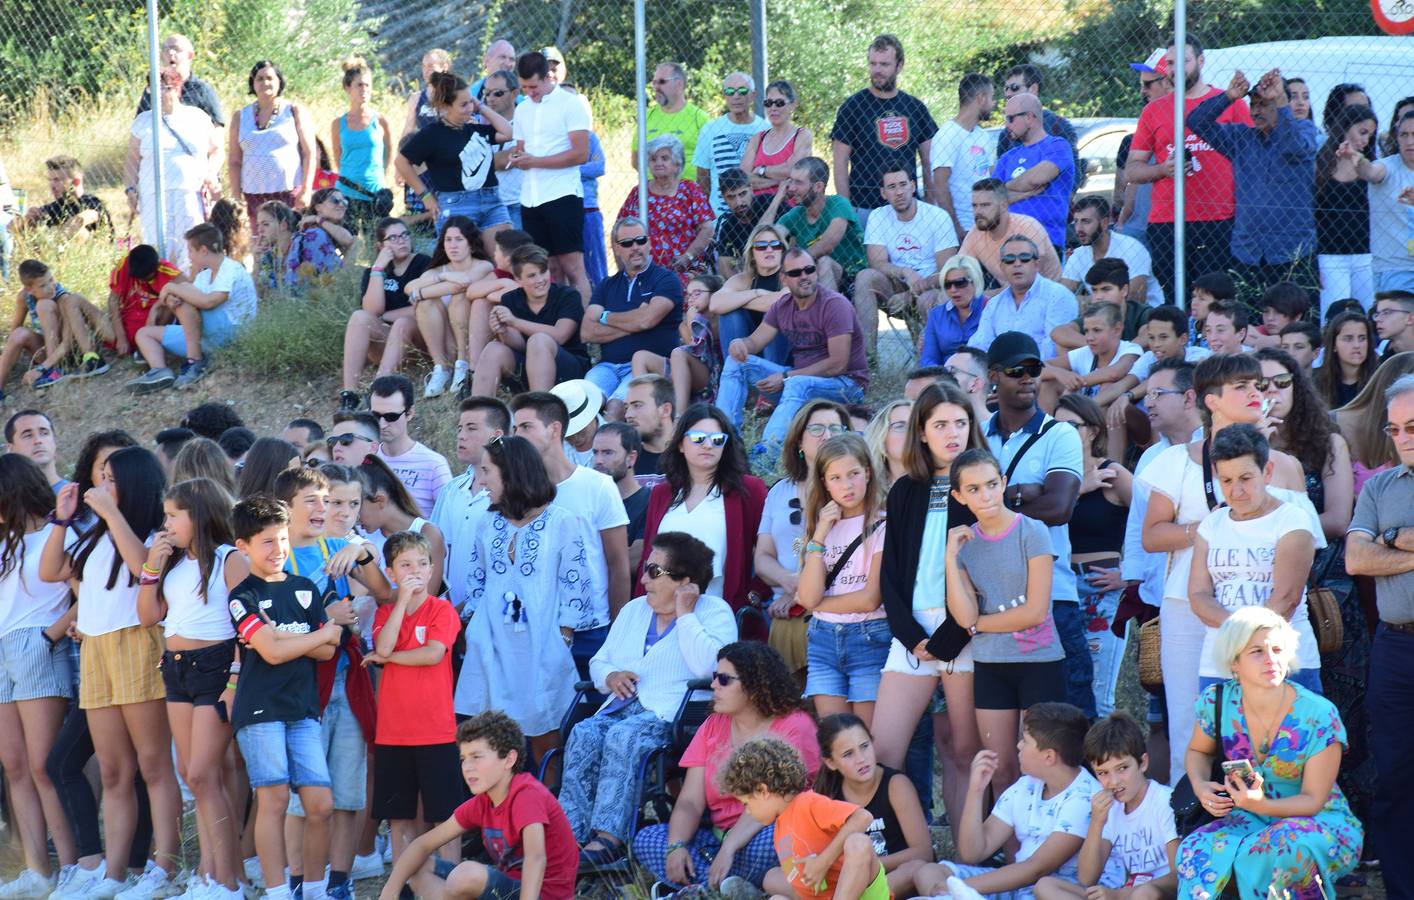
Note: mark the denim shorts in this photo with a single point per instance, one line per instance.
(32, 668)
(199, 676)
(846, 659)
(217, 329)
(345, 752)
(484, 207)
(283, 753)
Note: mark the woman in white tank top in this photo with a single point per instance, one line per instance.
(270, 154)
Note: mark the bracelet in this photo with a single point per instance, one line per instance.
(815, 547)
(230, 685)
(424, 195)
(675, 846)
(235, 668)
(366, 559)
(150, 570)
(55, 520)
(147, 580)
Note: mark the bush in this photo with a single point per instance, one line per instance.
(298, 334)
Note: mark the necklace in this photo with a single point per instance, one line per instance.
(1265, 745)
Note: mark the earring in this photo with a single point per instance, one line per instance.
(800, 453)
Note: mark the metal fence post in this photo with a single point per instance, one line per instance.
(640, 65)
(155, 109)
(1180, 97)
(758, 52)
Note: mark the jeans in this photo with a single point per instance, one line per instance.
(798, 390)
(1106, 650)
(739, 324)
(596, 264)
(513, 210)
(1346, 276)
(1394, 280)
(752, 862)
(1391, 702)
(611, 378)
(289, 753)
(918, 763)
(601, 769)
(484, 207)
(1207, 248)
(586, 644)
(1079, 671)
(345, 751)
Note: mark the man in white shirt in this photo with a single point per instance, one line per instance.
(1030, 302)
(541, 418)
(963, 153)
(722, 141)
(464, 502)
(1091, 218)
(907, 241)
(422, 470)
(552, 141)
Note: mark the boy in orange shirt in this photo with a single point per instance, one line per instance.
(822, 843)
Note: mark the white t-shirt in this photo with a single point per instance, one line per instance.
(235, 281)
(1392, 222)
(1144, 366)
(595, 499)
(26, 601)
(1034, 819)
(188, 615)
(459, 514)
(1122, 246)
(708, 523)
(1139, 840)
(423, 471)
(1240, 560)
(720, 144)
(184, 140)
(545, 127)
(969, 157)
(102, 609)
(913, 244)
(1082, 359)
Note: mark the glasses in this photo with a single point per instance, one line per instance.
(1153, 396)
(699, 292)
(1012, 258)
(344, 440)
(819, 429)
(397, 236)
(1394, 431)
(633, 242)
(956, 372)
(723, 679)
(1015, 87)
(774, 102)
(796, 273)
(767, 245)
(392, 416)
(656, 571)
(1032, 368)
(1388, 311)
(337, 199)
(497, 95)
(736, 91)
(957, 283)
(698, 438)
(794, 505)
(1281, 382)
(1014, 116)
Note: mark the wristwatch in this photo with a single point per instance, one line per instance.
(972, 630)
(760, 171)
(1389, 536)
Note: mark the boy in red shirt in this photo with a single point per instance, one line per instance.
(525, 832)
(823, 844)
(414, 751)
(133, 287)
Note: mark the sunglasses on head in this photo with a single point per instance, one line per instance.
(723, 679)
(774, 102)
(767, 245)
(344, 440)
(796, 273)
(820, 429)
(794, 505)
(718, 438)
(391, 416)
(1032, 368)
(1020, 258)
(633, 242)
(736, 91)
(957, 283)
(656, 571)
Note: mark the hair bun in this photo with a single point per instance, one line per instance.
(354, 64)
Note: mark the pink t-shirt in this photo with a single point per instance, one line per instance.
(712, 746)
(423, 471)
(855, 573)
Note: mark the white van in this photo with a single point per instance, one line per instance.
(1383, 65)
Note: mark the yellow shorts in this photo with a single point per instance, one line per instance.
(121, 667)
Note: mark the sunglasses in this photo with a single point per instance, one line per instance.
(723, 679)
(736, 91)
(496, 95)
(774, 102)
(958, 283)
(819, 429)
(1020, 258)
(344, 440)
(796, 273)
(1032, 368)
(1395, 431)
(1282, 381)
(392, 416)
(794, 505)
(1015, 88)
(1147, 83)
(1014, 116)
(718, 438)
(633, 242)
(656, 571)
(767, 245)
(338, 200)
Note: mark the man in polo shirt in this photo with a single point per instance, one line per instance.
(1044, 485)
(1030, 303)
(638, 308)
(1380, 543)
(552, 141)
(827, 351)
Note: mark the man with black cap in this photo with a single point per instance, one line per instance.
(1043, 462)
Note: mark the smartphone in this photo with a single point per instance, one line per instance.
(1240, 770)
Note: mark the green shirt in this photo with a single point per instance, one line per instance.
(849, 252)
(684, 125)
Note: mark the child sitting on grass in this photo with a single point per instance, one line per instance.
(1047, 811)
(48, 323)
(823, 844)
(1130, 821)
(526, 835)
(133, 288)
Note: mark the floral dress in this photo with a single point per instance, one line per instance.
(1303, 855)
(705, 349)
(673, 222)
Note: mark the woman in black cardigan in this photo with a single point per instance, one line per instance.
(920, 513)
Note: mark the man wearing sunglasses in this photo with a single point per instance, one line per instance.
(354, 436)
(421, 469)
(1030, 303)
(827, 352)
(1043, 484)
(1027, 79)
(1039, 169)
(721, 141)
(674, 115)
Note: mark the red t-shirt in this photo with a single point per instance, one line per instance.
(527, 802)
(712, 745)
(135, 296)
(1208, 192)
(415, 702)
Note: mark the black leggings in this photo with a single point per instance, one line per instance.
(73, 748)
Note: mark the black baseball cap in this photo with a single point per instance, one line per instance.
(1010, 348)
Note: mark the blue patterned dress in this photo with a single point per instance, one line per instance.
(516, 659)
(1259, 852)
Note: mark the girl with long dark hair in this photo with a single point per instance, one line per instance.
(1342, 210)
(1349, 359)
(439, 300)
(388, 508)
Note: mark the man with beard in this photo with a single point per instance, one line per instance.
(824, 225)
(722, 140)
(879, 127)
(964, 153)
(994, 224)
(1091, 219)
(1027, 79)
(649, 411)
(1208, 187)
(616, 452)
(674, 115)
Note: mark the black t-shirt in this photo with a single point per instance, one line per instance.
(562, 303)
(287, 692)
(732, 233)
(55, 214)
(195, 92)
(457, 159)
(395, 293)
(880, 132)
(636, 505)
(647, 463)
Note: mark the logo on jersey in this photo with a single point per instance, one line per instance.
(893, 131)
(419, 633)
(237, 610)
(305, 598)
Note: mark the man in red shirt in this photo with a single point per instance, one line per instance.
(1209, 201)
(133, 287)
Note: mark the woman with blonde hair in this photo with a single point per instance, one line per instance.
(1362, 421)
(203, 458)
(953, 321)
(742, 302)
(886, 436)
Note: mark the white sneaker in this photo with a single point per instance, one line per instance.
(383, 846)
(196, 888)
(460, 372)
(253, 873)
(370, 866)
(436, 382)
(75, 880)
(30, 885)
(154, 884)
(107, 889)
